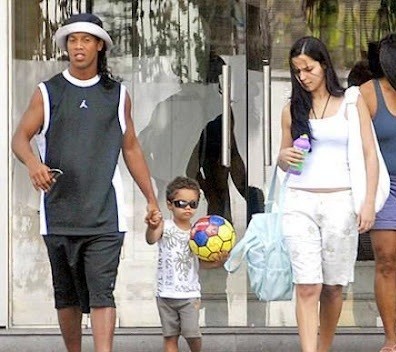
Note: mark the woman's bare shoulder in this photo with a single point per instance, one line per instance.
(367, 88)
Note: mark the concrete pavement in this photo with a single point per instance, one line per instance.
(214, 340)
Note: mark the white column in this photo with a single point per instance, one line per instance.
(5, 121)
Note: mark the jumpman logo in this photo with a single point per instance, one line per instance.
(84, 104)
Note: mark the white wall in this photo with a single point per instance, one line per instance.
(4, 160)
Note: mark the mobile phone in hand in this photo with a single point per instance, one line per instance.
(56, 173)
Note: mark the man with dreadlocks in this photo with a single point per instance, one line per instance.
(81, 119)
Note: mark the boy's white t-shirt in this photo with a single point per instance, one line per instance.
(177, 271)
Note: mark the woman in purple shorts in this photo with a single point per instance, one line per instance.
(380, 96)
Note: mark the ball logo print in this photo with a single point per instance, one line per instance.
(211, 235)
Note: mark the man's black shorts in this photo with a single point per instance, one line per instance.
(84, 269)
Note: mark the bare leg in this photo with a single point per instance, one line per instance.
(103, 324)
(330, 310)
(307, 315)
(70, 325)
(171, 344)
(195, 344)
(384, 245)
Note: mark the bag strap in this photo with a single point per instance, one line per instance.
(271, 193)
(238, 253)
(351, 95)
(355, 140)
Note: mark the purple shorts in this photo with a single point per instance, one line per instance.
(386, 217)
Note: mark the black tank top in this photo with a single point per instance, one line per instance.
(83, 138)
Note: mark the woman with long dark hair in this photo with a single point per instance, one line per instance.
(320, 225)
(380, 96)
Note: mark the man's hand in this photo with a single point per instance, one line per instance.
(151, 209)
(41, 176)
(153, 219)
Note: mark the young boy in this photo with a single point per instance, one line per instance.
(178, 288)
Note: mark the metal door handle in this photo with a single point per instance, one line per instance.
(267, 145)
(226, 117)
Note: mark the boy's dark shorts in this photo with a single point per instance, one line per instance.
(84, 269)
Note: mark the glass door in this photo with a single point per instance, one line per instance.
(185, 64)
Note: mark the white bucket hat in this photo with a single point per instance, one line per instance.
(83, 22)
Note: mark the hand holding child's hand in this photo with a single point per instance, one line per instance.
(153, 219)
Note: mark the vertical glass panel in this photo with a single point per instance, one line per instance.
(4, 160)
(170, 54)
(346, 27)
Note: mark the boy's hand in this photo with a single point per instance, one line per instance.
(221, 259)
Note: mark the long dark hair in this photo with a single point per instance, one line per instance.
(374, 60)
(387, 55)
(106, 77)
(301, 100)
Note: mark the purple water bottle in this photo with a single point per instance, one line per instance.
(301, 143)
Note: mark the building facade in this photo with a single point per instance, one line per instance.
(186, 63)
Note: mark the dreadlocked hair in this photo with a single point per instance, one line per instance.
(106, 76)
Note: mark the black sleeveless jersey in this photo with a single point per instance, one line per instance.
(82, 135)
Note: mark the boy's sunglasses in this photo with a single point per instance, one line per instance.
(183, 203)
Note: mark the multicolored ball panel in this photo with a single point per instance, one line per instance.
(211, 235)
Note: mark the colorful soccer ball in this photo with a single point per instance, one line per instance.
(211, 235)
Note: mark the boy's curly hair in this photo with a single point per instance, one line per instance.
(181, 182)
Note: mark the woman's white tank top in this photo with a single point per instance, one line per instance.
(326, 166)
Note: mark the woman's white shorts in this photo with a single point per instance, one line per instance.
(321, 233)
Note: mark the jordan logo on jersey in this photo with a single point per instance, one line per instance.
(84, 104)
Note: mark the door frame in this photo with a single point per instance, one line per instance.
(5, 159)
